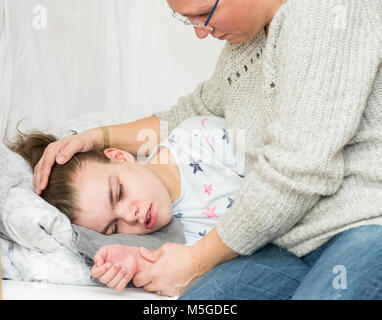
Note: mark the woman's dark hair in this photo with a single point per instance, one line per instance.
(60, 191)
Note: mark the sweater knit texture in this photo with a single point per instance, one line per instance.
(309, 98)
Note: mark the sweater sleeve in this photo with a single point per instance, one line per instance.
(326, 72)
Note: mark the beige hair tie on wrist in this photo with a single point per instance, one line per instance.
(106, 137)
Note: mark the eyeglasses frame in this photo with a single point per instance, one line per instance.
(188, 22)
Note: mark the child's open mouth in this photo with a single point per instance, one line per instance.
(150, 218)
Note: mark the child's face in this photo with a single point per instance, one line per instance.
(122, 197)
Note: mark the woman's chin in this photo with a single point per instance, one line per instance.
(236, 40)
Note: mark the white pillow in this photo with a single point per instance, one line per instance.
(41, 239)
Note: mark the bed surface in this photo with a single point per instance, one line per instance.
(21, 290)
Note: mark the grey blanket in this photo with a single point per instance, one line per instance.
(88, 241)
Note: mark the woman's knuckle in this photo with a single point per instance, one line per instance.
(50, 147)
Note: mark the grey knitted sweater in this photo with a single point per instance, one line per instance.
(309, 97)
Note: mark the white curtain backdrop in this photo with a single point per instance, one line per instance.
(123, 56)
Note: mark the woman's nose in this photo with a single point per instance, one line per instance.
(201, 33)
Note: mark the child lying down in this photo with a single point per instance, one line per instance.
(192, 176)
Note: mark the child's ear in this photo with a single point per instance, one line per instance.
(120, 155)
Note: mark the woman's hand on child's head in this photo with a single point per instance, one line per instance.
(61, 151)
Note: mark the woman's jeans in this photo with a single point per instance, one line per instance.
(348, 266)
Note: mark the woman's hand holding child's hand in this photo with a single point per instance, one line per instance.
(115, 265)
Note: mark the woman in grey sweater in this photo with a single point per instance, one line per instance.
(303, 79)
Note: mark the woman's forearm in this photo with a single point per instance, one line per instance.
(137, 137)
(210, 251)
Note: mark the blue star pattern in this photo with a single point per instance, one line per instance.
(202, 234)
(196, 166)
(172, 139)
(201, 209)
(230, 202)
(225, 135)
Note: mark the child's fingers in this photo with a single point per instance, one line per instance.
(100, 256)
(129, 274)
(110, 274)
(99, 261)
(117, 278)
(97, 272)
(123, 282)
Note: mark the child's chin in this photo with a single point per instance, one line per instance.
(158, 227)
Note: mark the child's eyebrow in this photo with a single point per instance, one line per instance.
(111, 201)
(111, 198)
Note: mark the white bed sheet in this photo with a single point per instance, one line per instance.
(21, 290)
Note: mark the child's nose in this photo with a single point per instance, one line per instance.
(131, 214)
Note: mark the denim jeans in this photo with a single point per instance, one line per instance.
(348, 266)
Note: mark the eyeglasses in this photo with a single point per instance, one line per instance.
(195, 24)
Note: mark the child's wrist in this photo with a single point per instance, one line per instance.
(141, 263)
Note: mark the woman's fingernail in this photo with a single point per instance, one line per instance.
(61, 158)
(108, 265)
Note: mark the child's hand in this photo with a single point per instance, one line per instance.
(113, 275)
(115, 265)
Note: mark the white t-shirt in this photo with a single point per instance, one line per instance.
(211, 172)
